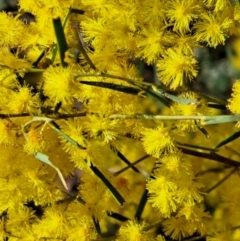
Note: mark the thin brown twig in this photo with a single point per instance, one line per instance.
(222, 180)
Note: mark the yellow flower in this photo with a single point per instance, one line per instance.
(11, 60)
(181, 13)
(175, 228)
(218, 5)
(157, 141)
(102, 127)
(23, 101)
(11, 30)
(6, 132)
(150, 43)
(234, 101)
(8, 81)
(59, 84)
(53, 223)
(174, 66)
(97, 32)
(212, 29)
(132, 231)
(35, 142)
(164, 201)
(199, 107)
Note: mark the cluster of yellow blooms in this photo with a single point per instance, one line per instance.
(74, 110)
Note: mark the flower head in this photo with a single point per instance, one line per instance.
(158, 140)
(181, 13)
(34, 142)
(176, 65)
(212, 29)
(59, 84)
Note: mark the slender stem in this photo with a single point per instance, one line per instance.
(206, 120)
(217, 169)
(195, 238)
(222, 180)
(4, 116)
(34, 70)
(131, 165)
(211, 156)
(101, 74)
(81, 45)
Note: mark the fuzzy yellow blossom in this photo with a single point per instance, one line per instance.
(132, 231)
(175, 66)
(8, 81)
(175, 227)
(197, 107)
(23, 101)
(212, 29)
(237, 13)
(7, 59)
(157, 141)
(218, 5)
(73, 128)
(181, 13)
(196, 218)
(20, 219)
(59, 84)
(53, 222)
(7, 134)
(96, 31)
(189, 189)
(151, 43)
(101, 127)
(82, 229)
(11, 30)
(35, 142)
(234, 101)
(153, 11)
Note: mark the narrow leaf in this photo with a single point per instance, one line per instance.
(81, 45)
(55, 49)
(211, 156)
(141, 205)
(124, 159)
(132, 164)
(197, 147)
(204, 131)
(68, 138)
(174, 98)
(120, 88)
(118, 216)
(110, 187)
(217, 106)
(35, 64)
(61, 40)
(77, 11)
(229, 139)
(97, 225)
(162, 99)
(220, 119)
(57, 107)
(45, 159)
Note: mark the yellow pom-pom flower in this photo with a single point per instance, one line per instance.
(212, 29)
(197, 107)
(176, 65)
(234, 102)
(34, 142)
(158, 140)
(59, 84)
